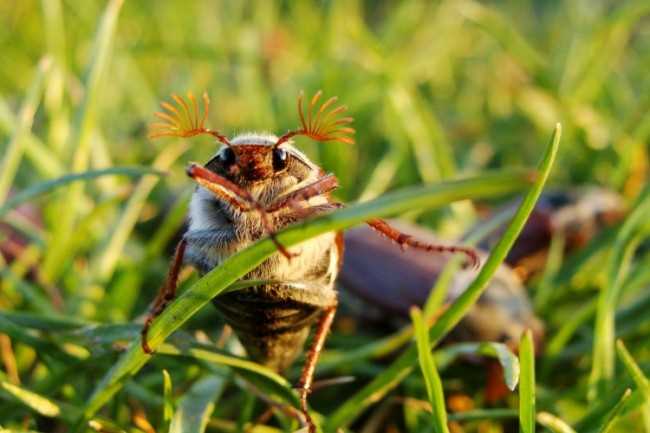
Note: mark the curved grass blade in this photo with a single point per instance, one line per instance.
(237, 265)
(50, 185)
(44, 322)
(261, 376)
(553, 423)
(431, 377)
(53, 409)
(403, 366)
(501, 352)
(196, 406)
(633, 370)
(119, 234)
(527, 384)
(616, 412)
(80, 140)
(14, 151)
(38, 403)
(44, 347)
(168, 397)
(625, 244)
(639, 378)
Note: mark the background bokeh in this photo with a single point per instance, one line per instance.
(438, 90)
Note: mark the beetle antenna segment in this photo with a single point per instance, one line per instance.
(184, 120)
(323, 124)
(404, 241)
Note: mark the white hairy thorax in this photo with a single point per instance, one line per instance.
(205, 214)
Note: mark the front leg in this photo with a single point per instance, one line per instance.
(192, 249)
(165, 295)
(323, 185)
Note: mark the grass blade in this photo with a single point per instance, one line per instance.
(633, 370)
(401, 367)
(430, 373)
(619, 265)
(267, 380)
(553, 423)
(14, 152)
(239, 264)
(81, 139)
(168, 397)
(616, 412)
(527, 384)
(120, 234)
(196, 406)
(501, 352)
(50, 185)
(38, 403)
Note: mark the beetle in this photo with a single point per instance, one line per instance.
(255, 185)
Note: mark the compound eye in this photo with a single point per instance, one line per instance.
(227, 157)
(280, 157)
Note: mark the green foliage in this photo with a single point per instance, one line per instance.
(431, 377)
(450, 99)
(527, 384)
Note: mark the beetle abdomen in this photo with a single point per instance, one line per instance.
(272, 328)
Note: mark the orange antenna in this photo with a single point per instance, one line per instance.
(323, 124)
(183, 119)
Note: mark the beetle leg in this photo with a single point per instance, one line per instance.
(404, 240)
(320, 186)
(307, 375)
(237, 197)
(221, 187)
(165, 295)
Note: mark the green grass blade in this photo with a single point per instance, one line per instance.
(14, 152)
(479, 414)
(264, 378)
(44, 322)
(38, 403)
(81, 140)
(499, 351)
(619, 265)
(44, 347)
(616, 412)
(196, 406)
(117, 237)
(553, 423)
(503, 30)
(168, 397)
(50, 185)
(639, 379)
(401, 368)
(633, 370)
(527, 384)
(239, 264)
(430, 373)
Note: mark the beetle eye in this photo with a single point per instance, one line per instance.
(279, 158)
(226, 157)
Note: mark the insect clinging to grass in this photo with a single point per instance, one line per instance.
(255, 185)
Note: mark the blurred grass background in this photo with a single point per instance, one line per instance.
(438, 90)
